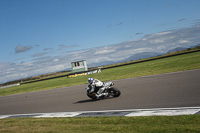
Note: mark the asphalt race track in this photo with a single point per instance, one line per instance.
(178, 89)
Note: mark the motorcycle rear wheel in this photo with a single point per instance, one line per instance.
(116, 92)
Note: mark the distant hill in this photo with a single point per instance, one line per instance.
(176, 49)
(182, 48)
(141, 56)
(195, 46)
(134, 57)
(103, 63)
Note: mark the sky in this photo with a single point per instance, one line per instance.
(43, 36)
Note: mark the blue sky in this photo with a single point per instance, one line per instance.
(34, 32)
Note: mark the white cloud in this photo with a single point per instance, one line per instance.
(163, 33)
(27, 64)
(155, 41)
(105, 51)
(162, 47)
(56, 60)
(184, 41)
(158, 43)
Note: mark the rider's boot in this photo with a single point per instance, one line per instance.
(101, 95)
(105, 94)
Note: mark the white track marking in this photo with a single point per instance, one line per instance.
(133, 112)
(63, 114)
(164, 112)
(4, 116)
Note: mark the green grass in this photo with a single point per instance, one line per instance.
(155, 124)
(170, 64)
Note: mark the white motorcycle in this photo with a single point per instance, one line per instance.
(109, 90)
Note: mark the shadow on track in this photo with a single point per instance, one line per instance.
(92, 100)
(86, 101)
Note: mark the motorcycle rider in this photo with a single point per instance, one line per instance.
(96, 86)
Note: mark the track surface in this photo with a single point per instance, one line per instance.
(178, 89)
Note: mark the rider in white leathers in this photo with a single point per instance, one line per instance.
(97, 84)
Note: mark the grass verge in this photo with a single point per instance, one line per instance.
(170, 64)
(156, 124)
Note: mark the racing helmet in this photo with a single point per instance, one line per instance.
(90, 80)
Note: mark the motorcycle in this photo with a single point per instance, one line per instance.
(111, 91)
